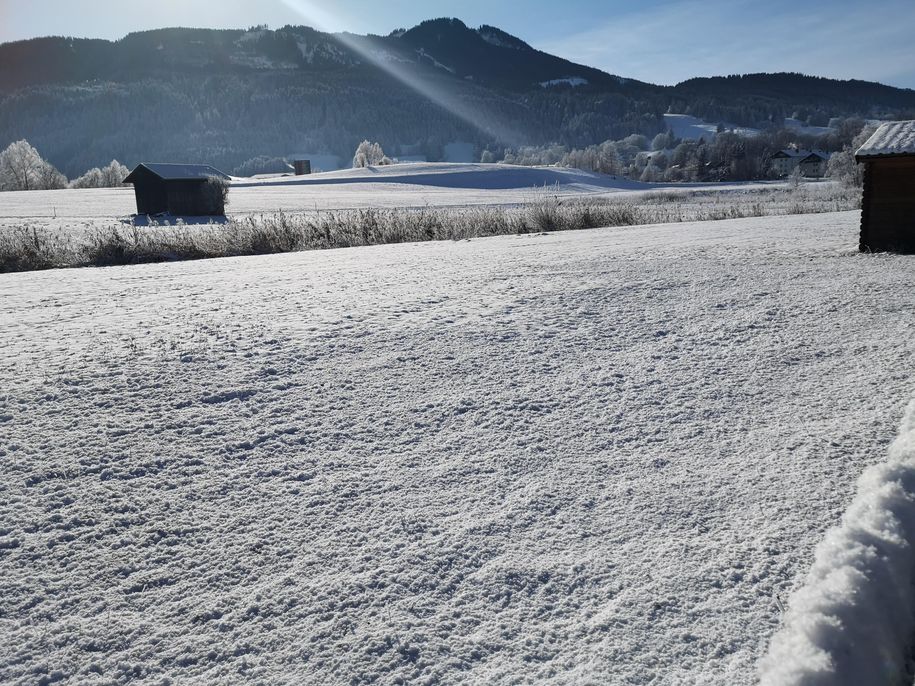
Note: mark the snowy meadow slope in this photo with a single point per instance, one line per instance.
(584, 457)
(402, 186)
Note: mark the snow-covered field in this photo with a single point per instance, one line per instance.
(404, 185)
(692, 128)
(586, 457)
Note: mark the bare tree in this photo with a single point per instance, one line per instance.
(48, 178)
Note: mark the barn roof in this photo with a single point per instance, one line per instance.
(177, 172)
(891, 139)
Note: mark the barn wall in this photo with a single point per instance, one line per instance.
(888, 211)
(151, 196)
(188, 198)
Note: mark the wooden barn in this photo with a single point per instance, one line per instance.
(888, 207)
(177, 189)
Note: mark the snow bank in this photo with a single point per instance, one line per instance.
(853, 620)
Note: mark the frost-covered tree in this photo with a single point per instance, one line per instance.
(608, 158)
(842, 166)
(49, 178)
(110, 176)
(22, 169)
(91, 179)
(488, 157)
(114, 174)
(19, 164)
(369, 155)
(664, 141)
(637, 141)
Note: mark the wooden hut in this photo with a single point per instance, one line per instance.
(888, 207)
(177, 189)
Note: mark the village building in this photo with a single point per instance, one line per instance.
(812, 163)
(177, 189)
(888, 203)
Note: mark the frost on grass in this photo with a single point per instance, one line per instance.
(40, 243)
(852, 622)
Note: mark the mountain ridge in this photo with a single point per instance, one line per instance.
(227, 95)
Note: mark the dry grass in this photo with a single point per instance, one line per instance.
(33, 247)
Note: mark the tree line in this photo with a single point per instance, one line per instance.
(726, 156)
(23, 169)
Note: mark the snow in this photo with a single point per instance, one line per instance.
(494, 39)
(692, 128)
(320, 161)
(421, 52)
(892, 138)
(584, 457)
(404, 185)
(573, 81)
(181, 172)
(854, 617)
(259, 62)
(413, 185)
(805, 128)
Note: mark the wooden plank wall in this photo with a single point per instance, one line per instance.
(888, 209)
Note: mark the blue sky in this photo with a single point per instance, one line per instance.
(662, 41)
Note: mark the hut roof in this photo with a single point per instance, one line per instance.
(891, 139)
(177, 172)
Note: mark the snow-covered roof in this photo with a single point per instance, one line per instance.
(892, 138)
(178, 172)
(800, 152)
(816, 156)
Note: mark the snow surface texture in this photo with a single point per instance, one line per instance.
(852, 622)
(892, 138)
(588, 457)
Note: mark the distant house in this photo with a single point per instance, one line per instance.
(784, 161)
(812, 163)
(813, 166)
(177, 189)
(888, 204)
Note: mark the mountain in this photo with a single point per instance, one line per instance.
(225, 96)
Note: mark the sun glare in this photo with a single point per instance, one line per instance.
(323, 20)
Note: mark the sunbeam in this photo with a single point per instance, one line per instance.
(323, 20)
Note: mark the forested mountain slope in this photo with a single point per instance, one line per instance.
(224, 96)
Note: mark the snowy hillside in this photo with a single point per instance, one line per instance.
(692, 128)
(587, 457)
